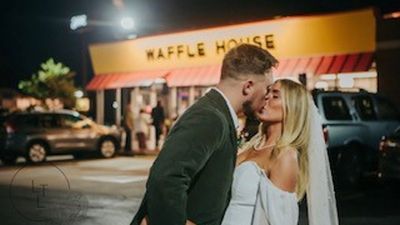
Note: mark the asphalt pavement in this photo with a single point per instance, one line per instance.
(109, 191)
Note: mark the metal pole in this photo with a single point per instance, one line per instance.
(100, 106)
(119, 107)
(191, 95)
(173, 102)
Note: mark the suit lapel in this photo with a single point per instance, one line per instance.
(221, 104)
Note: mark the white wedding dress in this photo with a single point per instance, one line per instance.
(251, 183)
(257, 201)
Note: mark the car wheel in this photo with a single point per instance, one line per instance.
(9, 160)
(350, 168)
(37, 152)
(107, 148)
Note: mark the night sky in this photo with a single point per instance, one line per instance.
(34, 30)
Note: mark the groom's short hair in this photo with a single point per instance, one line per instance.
(246, 59)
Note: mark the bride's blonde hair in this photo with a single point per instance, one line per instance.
(295, 129)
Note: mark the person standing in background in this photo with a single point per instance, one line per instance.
(158, 116)
(142, 123)
(128, 124)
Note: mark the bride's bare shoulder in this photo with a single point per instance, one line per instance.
(288, 154)
(286, 169)
(288, 160)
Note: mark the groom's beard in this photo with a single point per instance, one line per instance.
(248, 111)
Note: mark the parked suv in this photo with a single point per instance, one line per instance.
(35, 135)
(354, 123)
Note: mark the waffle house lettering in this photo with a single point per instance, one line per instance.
(176, 52)
(266, 42)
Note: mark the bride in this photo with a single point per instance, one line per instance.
(285, 161)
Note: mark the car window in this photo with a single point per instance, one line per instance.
(365, 108)
(71, 121)
(387, 110)
(335, 108)
(49, 121)
(26, 120)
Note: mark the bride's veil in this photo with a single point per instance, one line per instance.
(320, 193)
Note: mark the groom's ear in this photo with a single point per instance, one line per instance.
(247, 86)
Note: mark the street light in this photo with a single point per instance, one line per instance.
(78, 94)
(127, 23)
(78, 22)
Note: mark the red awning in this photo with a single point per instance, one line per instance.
(290, 66)
(313, 65)
(194, 76)
(121, 80)
(350, 63)
(281, 66)
(325, 65)
(137, 78)
(337, 64)
(100, 82)
(365, 61)
(91, 86)
(318, 65)
(301, 66)
(210, 75)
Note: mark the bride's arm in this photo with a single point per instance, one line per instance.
(285, 170)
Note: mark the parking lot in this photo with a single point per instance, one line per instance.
(108, 191)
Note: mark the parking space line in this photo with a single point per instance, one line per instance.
(115, 179)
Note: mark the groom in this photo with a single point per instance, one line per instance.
(190, 181)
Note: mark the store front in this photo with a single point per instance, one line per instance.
(332, 51)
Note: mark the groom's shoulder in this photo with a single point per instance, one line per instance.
(206, 112)
(212, 100)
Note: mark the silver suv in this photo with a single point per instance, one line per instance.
(354, 123)
(35, 135)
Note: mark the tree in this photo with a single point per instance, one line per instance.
(53, 80)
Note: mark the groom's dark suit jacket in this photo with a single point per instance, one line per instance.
(192, 176)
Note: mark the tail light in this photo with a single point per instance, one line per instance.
(326, 134)
(10, 128)
(382, 144)
(387, 143)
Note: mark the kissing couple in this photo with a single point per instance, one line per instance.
(200, 176)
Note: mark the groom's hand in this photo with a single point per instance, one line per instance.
(146, 222)
(188, 222)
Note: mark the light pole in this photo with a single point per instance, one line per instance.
(126, 30)
(77, 24)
